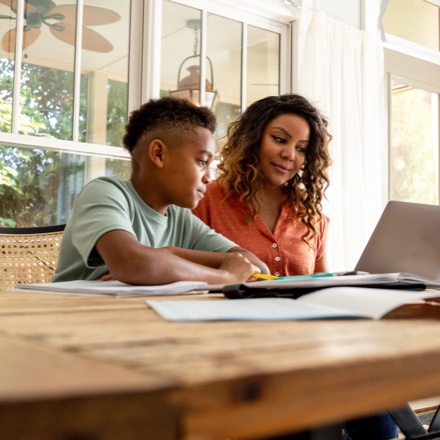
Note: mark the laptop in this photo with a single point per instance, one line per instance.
(404, 246)
(405, 239)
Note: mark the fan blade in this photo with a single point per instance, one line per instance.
(29, 36)
(13, 5)
(9, 3)
(8, 40)
(91, 40)
(7, 16)
(92, 15)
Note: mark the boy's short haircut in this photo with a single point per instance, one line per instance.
(166, 113)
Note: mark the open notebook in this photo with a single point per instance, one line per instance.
(333, 303)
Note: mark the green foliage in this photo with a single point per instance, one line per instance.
(29, 186)
(117, 112)
(30, 179)
(37, 187)
(414, 175)
(46, 96)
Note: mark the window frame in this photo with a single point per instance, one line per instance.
(415, 66)
(144, 71)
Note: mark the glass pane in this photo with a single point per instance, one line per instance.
(414, 145)
(180, 61)
(46, 101)
(117, 110)
(105, 58)
(47, 77)
(263, 64)
(46, 83)
(224, 48)
(41, 185)
(413, 20)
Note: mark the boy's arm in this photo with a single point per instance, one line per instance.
(215, 259)
(133, 263)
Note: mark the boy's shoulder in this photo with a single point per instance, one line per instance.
(108, 187)
(107, 183)
(105, 180)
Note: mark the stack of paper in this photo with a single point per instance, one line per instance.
(115, 288)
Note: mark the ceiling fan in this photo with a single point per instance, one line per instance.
(61, 21)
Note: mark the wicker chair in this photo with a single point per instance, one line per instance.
(28, 255)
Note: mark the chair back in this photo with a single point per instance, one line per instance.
(29, 255)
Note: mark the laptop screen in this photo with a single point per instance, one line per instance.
(405, 239)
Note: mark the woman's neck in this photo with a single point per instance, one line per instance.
(268, 205)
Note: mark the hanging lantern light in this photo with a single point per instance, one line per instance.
(188, 87)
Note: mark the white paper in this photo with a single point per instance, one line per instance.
(332, 303)
(115, 288)
(374, 303)
(255, 309)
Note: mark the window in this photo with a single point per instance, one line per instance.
(56, 102)
(416, 21)
(414, 164)
(240, 62)
(63, 111)
(412, 62)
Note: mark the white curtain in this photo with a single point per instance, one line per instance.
(341, 70)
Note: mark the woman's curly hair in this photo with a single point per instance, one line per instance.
(239, 168)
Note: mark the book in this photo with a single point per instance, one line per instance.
(330, 303)
(115, 288)
(294, 287)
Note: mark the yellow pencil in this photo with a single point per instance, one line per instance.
(264, 276)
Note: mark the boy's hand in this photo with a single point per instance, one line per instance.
(107, 277)
(238, 267)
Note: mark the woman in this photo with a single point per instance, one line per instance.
(271, 183)
(268, 198)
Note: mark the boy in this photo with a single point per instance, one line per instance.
(138, 230)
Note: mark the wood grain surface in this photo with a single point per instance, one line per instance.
(111, 368)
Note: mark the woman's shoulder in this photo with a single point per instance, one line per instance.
(213, 187)
(214, 190)
(217, 192)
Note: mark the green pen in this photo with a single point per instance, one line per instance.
(322, 275)
(313, 275)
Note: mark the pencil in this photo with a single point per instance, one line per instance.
(264, 276)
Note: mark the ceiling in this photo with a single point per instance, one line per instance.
(51, 51)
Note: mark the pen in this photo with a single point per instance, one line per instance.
(313, 275)
(322, 275)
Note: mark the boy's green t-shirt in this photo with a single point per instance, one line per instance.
(108, 203)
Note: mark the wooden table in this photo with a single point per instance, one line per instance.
(76, 367)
